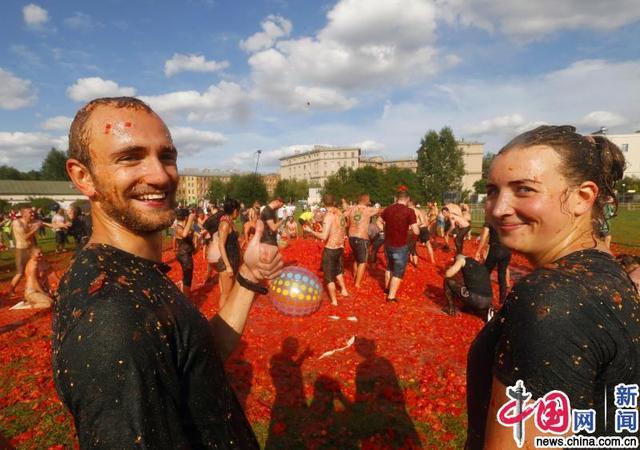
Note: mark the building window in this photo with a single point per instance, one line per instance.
(353, 163)
(624, 147)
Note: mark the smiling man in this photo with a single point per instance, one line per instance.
(135, 362)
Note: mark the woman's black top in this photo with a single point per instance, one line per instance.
(476, 278)
(185, 245)
(232, 246)
(573, 325)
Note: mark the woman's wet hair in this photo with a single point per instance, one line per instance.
(584, 158)
(230, 205)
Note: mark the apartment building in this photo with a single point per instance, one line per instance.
(319, 163)
(194, 183)
(629, 144)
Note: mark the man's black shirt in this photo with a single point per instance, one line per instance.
(135, 361)
(269, 236)
(573, 325)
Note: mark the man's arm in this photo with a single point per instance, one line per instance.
(455, 268)
(326, 226)
(261, 262)
(484, 238)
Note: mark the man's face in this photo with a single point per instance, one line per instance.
(134, 168)
(27, 214)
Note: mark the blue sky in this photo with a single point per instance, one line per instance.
(231, 77)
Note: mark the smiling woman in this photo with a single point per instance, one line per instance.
(573, 324)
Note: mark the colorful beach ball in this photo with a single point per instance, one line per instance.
(296, 292)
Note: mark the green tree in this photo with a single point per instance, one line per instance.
(440, 164)
(292, 190)
(480, 186)
(342, 184)
(217, 190)
(248, 188)
(396, 177)
(10, 173)
(53, 166)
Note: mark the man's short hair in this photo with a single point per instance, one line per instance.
(278, 198)
(328, 200)
(403, 195)
(79, 132)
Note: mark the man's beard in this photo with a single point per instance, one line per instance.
(126, 214)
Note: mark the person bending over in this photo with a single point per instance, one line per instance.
(472, 288)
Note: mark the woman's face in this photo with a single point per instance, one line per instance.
(528, 201)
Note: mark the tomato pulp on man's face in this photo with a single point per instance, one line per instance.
(134, 167)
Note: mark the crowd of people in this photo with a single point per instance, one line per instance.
(137, 364)
(21, 230)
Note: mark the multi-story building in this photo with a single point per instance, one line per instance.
(629, 144)
(319, 163)
(194, 183)
(271, 181)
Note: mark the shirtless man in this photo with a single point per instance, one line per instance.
(423, 236)
(462, 225)
(333, 232)
(37, 293)
(359, 217)
(24, 230)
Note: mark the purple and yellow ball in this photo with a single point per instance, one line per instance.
(296, 292)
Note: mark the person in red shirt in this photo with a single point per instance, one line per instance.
(398, 219)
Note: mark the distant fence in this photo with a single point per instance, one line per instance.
(625, 227)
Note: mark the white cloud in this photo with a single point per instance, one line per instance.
(27, 150)
(15, 92)
(223, 101)
(274, 28)
(366, 44)
(190, 140)
(81, 21)
(34, 16)
(86, 89)
(57, 123)
(495, 124)
(191, 63)
(602, 119)
(370, 146)
(531, 20)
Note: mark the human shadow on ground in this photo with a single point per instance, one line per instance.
(290, 406)
(377, 418)
(240, 373)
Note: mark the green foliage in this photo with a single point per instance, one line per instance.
(292, 190)
(217, 190)
(379, 184)
(630, 184)
(480, 186)
(247, 188)
(52, 169)
(11, 173)
(440, 164)
(4, 206)
(53, 166)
